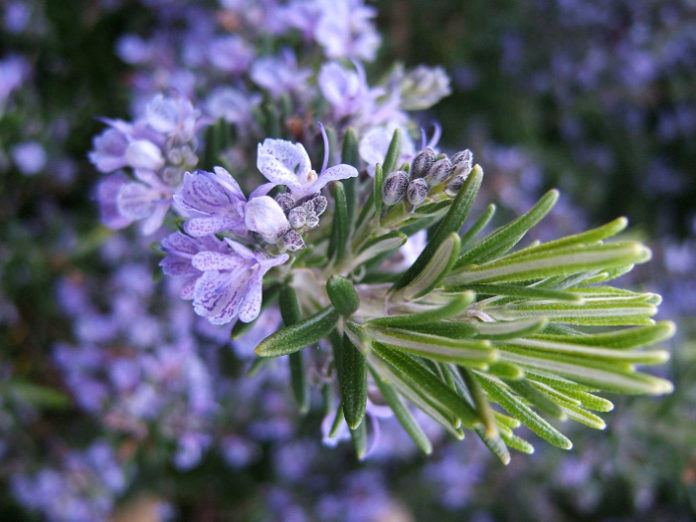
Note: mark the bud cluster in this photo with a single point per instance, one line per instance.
(302, 217)
(428, 170)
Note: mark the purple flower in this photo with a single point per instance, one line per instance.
(347, 91)
(345, 30)
(279, 75)
(29, 156)
(232, 283)
(13, 72)
(213, 202)
(375, 144)
(147, 199)
(109, 152)
(285, 163)
(232, 105)
(230, 54)
(180, 250)
(172, 116)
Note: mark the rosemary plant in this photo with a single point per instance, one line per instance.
(478, 334)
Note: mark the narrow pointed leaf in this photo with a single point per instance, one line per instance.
(530, 419)
(351, 368)
(483, 407)
(434, 271)
(290, 312)
(537, 398)
(470, 235)
(433, 388)
(566, 261)
(351, 156)
(495, 445)
(459, 351)
(377, 189)
(452, 308)
(393, 154)
(523, 291)
(402, 413)
(298, 336)
(497, 330)
(504, 238)
(626, 338)
(359, 437)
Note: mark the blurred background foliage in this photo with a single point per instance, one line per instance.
(597, 98)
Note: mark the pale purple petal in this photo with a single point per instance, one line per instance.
(264, 216)
(109, 151)
(270, 262)
(251, 305)
(283, 162)
(217, 296)
(136, 201)
(334, 173)
(207, 260)
(107, 194)
(199, 227)
(155, 220)
(143, 154)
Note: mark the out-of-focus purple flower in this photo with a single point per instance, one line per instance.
(107, 194)
(17, 16)
(375, 143)
(172, 116)
(347, 91)
(231, 285)
(147, 199)
(280, 74)
(29, 156)
(230, 54)
(14, 70)
(82, 488)
(212, 202)
(264, 216)
(232, 105)
(345, 29)
(180, 250)
(285, 163)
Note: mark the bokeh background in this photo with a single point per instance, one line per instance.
(595, 97)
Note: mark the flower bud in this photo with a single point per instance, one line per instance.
(297, 217)
(417, 191)
(455, 184)
(320, 204)
(462, 162)
(265, 217)
(286, 201)
(342, 295)
(439, 172)
(312, 221)
(422, 162)
(394, 187)
(293, 241)
(143, 154)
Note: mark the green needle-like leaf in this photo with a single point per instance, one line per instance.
(564, 261)
(402, 413)
(515, 407)
(470, 235)
(460, 351)
(454, 307)
(351, 368)
(290, 312)
(393, 155)
(504, 238)
(298, 336)
(377, 190)
(434, 390)
(434, 271)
